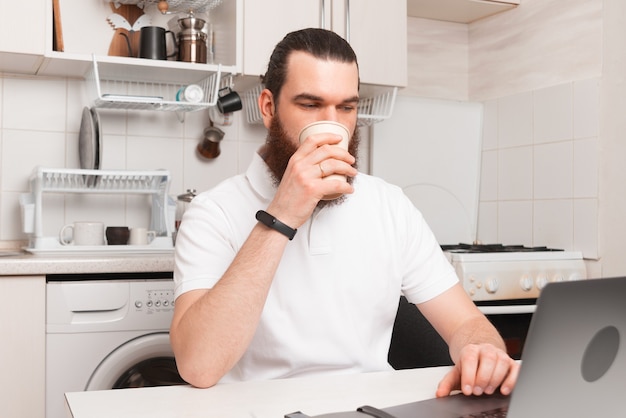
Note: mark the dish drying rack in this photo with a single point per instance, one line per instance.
(370, 110)
(56, 180)
(131, 90)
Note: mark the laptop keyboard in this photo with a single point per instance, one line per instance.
(494, 413)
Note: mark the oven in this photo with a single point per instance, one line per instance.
(504, 281)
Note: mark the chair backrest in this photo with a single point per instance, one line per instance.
(414, 342)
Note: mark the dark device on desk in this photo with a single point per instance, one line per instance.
(572, 365)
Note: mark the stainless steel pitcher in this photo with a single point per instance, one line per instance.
(192, 41)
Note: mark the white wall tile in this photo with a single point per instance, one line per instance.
(113, 155)
(515, 222)
(77, 99)
(515, 173)
(1, 104)
(40, 108)
(554, 223)
(154, 124)
(586, 108)
(553, 170)
(112, 122)
(552, 114)
(586, 227)
(145, 153)
(488, 223)
(72, 159)
(490, 125)
(489, 176)
(515, 120)
(23, 150)
(586, 167)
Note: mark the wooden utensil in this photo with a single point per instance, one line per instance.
(57, 41)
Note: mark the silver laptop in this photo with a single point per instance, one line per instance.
(573, 363)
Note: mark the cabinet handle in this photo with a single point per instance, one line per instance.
(347, 7)
(323, 14)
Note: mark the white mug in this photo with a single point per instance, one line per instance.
(140, 236)
(83, 233)
(329, 127)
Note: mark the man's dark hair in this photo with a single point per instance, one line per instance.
(320, 43)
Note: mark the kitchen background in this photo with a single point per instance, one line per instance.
(550, 76)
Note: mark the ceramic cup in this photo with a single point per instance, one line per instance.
(117, 235)
(229, 102)
(140, 236)
(82, 233)
(330, 128)
(152, 43)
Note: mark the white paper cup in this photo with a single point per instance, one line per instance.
(140, 236)
(82, 233)
(328, 127)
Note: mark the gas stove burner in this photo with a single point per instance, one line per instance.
(494, 248)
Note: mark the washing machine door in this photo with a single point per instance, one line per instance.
(145, 361)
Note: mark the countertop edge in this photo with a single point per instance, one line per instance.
(33, 265)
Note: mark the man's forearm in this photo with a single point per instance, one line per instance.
(476, 330)
(214, 332)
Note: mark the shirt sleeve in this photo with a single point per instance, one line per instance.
(204, 248)
(428, 272)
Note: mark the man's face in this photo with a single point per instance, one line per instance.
(314, 90)
(317, 90)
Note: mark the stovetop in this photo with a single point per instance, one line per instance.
(508, 272)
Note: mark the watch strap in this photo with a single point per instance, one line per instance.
(271, 222)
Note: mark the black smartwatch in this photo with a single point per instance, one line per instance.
(271, 222)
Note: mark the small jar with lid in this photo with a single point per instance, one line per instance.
(192, 93)
(182, 203)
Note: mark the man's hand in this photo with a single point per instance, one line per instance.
(301, 187)
(482, 368)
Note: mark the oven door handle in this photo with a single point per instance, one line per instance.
(507, 309)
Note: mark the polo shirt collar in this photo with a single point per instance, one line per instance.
(260, 177)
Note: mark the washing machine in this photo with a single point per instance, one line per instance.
(107, 331)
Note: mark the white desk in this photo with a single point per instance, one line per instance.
(266, 399)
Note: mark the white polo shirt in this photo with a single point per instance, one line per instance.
(334, 298)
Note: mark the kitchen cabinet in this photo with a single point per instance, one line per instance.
(22, 350)
(22, 35)
(376, 30)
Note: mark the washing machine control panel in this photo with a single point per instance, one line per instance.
(156, 300)
(152, 303)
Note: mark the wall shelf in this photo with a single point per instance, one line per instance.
(131, 90)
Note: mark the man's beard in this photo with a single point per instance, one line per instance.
(279, 148)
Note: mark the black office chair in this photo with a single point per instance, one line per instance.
(414, 342)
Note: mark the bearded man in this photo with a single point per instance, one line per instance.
(272, 281)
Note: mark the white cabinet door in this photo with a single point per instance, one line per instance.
(266, 22)
(377, 33)
(22, 351)
(22, 35)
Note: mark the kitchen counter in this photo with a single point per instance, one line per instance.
(261, 399)
(17, 263)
